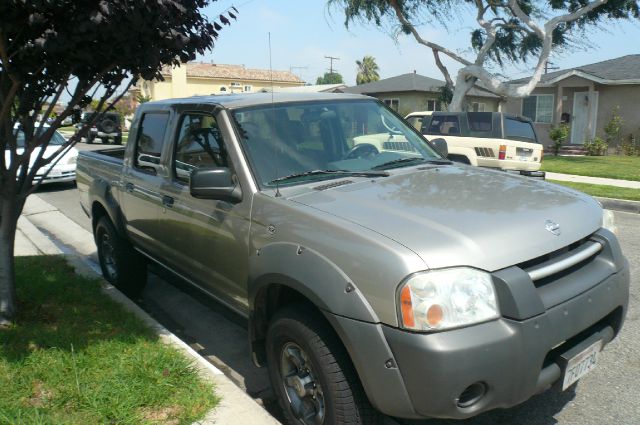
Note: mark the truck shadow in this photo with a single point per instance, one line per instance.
(538, 410)
(220, 335)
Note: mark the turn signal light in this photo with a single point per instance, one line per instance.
(407, 307)
(503, 152)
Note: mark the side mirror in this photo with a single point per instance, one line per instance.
(214, 183)
(441, 146)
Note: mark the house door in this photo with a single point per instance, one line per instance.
(582, 114)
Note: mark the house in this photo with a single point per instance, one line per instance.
(195, 78)
(413, 92)
(584, 97)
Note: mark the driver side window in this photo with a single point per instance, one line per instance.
(199, 145)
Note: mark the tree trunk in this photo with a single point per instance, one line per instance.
(8, 223)
(464, 83)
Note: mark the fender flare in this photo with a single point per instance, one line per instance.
(100, 193)
(315, 277)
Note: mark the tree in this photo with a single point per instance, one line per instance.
(330, 78)
(367, 70)
(508, 31)
(82, 50)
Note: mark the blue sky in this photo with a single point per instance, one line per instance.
(304, 31)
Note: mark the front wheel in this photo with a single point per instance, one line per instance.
(311, 373)
(121, 265)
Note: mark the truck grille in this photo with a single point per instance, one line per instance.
(398, 146)
(485, 152)
(570, 271)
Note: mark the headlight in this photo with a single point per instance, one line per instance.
(72, 160)
(609, 221)
(447, 298)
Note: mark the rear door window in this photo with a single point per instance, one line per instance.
(153, 127)
(519, 130)
(444, 124)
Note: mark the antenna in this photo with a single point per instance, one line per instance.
(273, 121)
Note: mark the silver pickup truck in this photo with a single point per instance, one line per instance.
(375, 278)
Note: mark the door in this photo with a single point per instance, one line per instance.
(205, 240)
(141, 180)
(585, 110)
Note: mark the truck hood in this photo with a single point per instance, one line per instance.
(459, 215)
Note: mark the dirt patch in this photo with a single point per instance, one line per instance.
(163, 415)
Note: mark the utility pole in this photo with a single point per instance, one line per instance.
(331, 59)
(548, 65)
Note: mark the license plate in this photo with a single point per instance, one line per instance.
(581, 364)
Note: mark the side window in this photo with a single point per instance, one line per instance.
(199, 145)
(150, 140)
(480, 121)
(416, 122)
(444, 124)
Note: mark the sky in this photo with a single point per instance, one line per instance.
(303, 32)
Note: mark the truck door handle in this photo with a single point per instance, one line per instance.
(167, 201)
(129, 187)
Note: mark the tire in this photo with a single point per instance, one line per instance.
(459, 158)
(121, 265)
(90, 139)
(305, 356)
(117, 140)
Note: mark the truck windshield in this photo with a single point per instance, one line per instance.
(294, 143)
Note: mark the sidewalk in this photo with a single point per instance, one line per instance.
(38, 217)
(631, 184)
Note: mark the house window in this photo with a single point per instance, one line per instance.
(538, 108)
(248, 89)
(392, 103)
(223, 89)
(477, 107)
(433, 105)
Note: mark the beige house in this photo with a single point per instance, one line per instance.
(584, 97)
(193, 79)
(413, 92)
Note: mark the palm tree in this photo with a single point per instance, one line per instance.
(367, 70)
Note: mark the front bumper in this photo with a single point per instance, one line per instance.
(59, 174)
(417, 375)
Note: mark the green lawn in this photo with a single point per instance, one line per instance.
(603, 191)
(76, 357)
(615, 167)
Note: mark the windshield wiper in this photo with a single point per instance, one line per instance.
(406, 161)
(331, 173)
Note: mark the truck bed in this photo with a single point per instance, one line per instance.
(104, 164)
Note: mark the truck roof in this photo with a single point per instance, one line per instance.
(232, 101)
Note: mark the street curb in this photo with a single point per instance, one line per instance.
(42, 243)
(234, 407)
(620, 205)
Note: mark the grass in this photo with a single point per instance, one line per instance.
(603, 191)
(615, 167)
(74, 356)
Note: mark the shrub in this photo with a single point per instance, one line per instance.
(630, 146)
(613, 129)
(559, 134)
(596, 147)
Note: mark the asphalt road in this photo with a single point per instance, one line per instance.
(608, 395)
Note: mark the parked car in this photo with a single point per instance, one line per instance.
(374, 277)
(64, 170)
(107, 128)
(485, 139)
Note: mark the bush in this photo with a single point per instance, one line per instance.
(613, 129)
(630, 146)
(559, 134)
(596, 147)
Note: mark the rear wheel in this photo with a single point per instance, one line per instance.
(121, 265)
(311, 372)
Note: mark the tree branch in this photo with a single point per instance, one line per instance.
(442, 68)
(419, 39)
